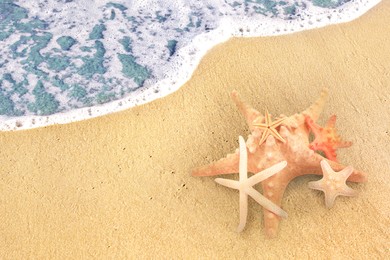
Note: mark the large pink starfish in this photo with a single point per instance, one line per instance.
(300, 159)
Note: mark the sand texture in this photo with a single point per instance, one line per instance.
(119, 187)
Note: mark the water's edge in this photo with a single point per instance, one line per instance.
(186, 55)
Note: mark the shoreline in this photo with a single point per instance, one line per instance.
(207, 41)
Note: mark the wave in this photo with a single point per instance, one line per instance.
(70, 60)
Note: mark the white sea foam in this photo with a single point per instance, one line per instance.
(177, 69)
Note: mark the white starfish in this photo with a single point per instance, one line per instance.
(333, 183)
(245, 186)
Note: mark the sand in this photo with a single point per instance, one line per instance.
(119, 186)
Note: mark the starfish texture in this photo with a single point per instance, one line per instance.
(245, 186)
(301, 160)
(326, 139)
(333, 183)
(269, 128)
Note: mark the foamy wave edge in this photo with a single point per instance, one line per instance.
(191, 55)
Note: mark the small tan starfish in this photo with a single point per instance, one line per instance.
(269, 128)
(333, 183)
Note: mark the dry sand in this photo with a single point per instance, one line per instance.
(119, 186)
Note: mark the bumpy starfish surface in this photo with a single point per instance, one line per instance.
(245, 186)
(326, 139)
(269, 128)
(333, 183)
(301, 160)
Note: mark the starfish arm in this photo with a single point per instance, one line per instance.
(243, 211)
(313, 168)
(329, 152)
(267, 118)
(326, 169)
(259, 125)
(316, 129)
(271, 220)
(343, 144)
(347, 191)
(278, 122)
(316, 185)
(346, 172)
(264, 136)
(331, 193)
(223, 166)
(329, 199)
(266, 203)
(277, 135)
(331, 122)
(265, 174)
(248, 112)
(243, 165)
(316, 108)
(228, 183)
(356, 176)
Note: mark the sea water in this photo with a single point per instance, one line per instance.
(68, 60)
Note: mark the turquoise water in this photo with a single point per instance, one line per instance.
(61, 55)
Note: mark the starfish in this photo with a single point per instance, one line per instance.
(245, 186)
(269, 128)
(333, 183)
(326, 138)
(301, 160)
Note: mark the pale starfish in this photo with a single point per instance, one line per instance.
(300, 159)
(333, 183)
(269, 128)
(326, 139)
(245, 186)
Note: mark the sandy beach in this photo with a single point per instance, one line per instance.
(119, 186)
